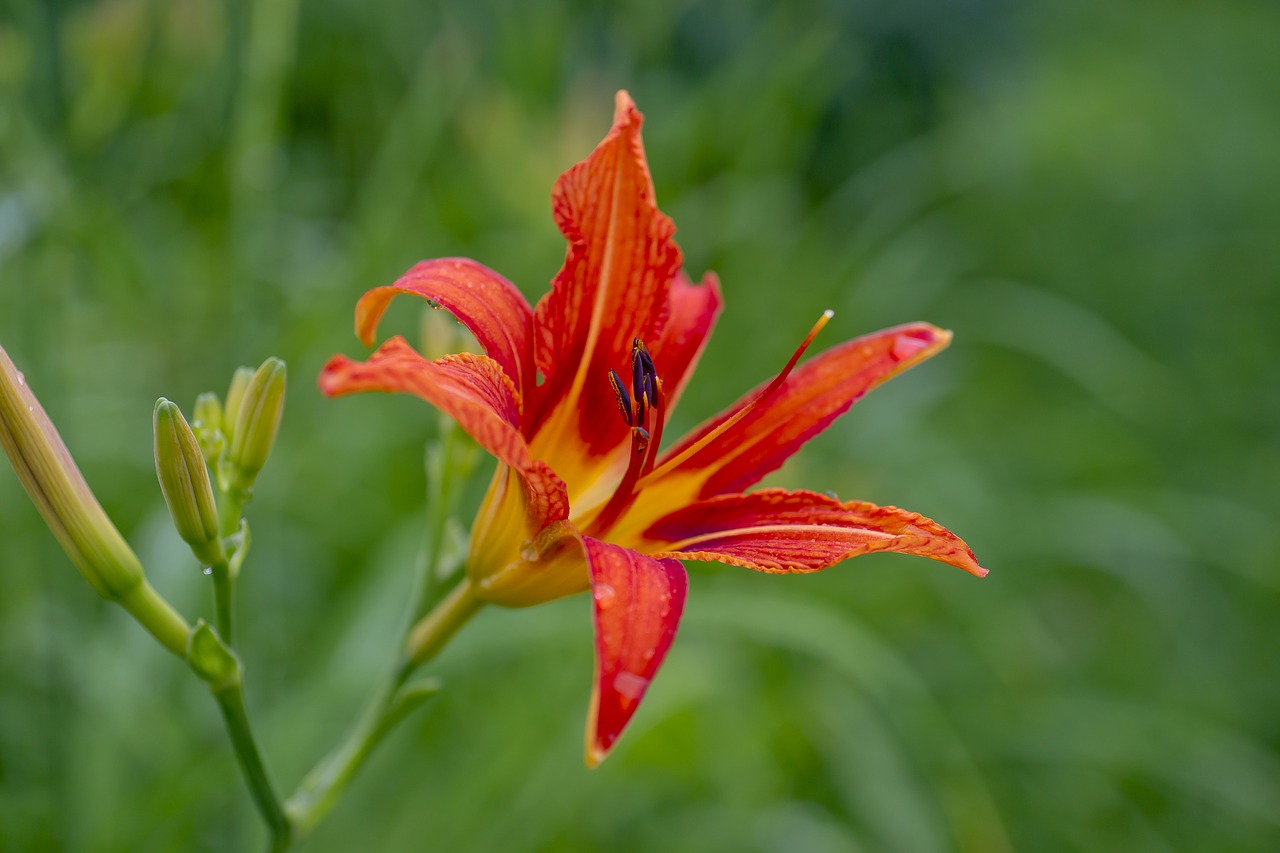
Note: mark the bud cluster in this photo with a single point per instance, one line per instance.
(233, 438)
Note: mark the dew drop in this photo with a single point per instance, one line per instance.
(603, 594)
(22, 379)
(207, 570)
(529, 551)
(630, 685)
(906, 347)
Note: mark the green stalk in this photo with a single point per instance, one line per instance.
(231, 702)
(322, 787)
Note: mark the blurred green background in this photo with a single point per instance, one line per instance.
(1088, 194)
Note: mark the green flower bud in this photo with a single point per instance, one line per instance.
(258, 421)
(207, 425)
(210, 658)
(57, 488)
(184, 480)
(235, 395)
(73, 514)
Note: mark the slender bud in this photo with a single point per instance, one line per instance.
(57, 488)
(207, 425)
(184, 480)
(209, 656)
(257, 421)
(235, 395)
(73, 514)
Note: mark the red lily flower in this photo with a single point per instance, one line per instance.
(584, 496)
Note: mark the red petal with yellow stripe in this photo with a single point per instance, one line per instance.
(814, 395)
(774, 530)
(612, 288)
(491, 308)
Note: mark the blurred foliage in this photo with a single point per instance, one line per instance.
(1086, 193)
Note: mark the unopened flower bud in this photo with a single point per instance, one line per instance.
(184, 480)
(258, 421)
(206, 423)
(73, 514)
(57, 488)
(235, 395)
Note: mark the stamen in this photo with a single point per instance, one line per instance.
(643, 376)
(647, 394)
(641, 439)
(620, 394)
(737, 416)
(659, 408)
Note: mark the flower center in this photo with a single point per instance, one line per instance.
(644, 410)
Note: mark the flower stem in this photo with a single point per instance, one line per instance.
(434, 630)
(158, 617)
(230, 508)
(321, 788)
(222, 600)
(230, 699)
(446, 462)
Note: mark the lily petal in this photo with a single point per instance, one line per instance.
(490, 306)
(778, 531)
(476, 392)
(612, 288)
(813, 396)
(694, 309)
(637, 602)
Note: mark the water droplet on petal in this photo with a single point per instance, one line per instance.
(529, 551)
(22, 379)
(604, 594)
(905, 347)
(630, 685)
(207, 570)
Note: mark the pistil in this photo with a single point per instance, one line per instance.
(772, 388)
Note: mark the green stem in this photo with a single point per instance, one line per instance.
(158, 617)
(230, 507)
(231, 503)
(434, 630)
(222, 600)
(321, 788)
(231, 702)
(439, 500)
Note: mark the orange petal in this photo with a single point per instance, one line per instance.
(637, 602)
(774, 530)
(486, 303)
(814, 395)
(613, 288)
(694, 309)
(476, 392)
